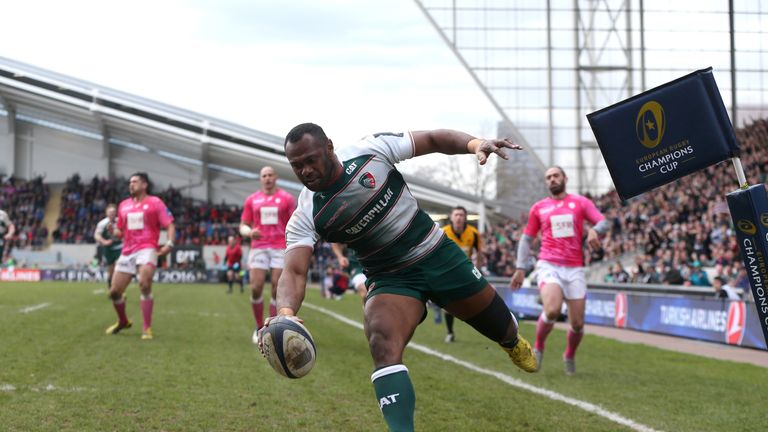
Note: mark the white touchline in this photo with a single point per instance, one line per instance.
(586, 406)
(29, 309)
(99, 291)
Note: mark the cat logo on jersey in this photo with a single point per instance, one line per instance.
(367, 181)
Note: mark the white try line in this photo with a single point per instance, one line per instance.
(29, 309)
(586, 406)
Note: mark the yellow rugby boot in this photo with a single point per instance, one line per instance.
(116, 327)
(522, 355)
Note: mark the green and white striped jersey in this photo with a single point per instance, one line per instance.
(106, 234)
(369, 208)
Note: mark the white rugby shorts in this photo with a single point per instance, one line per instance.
(129, 263)
(571, 280)
(265, 259)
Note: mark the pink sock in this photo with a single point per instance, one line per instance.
(258, 312)
(574, 338)
(542, 331)
(146, 310)
(120, 309)
(273, 308)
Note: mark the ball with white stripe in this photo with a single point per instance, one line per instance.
(289, 347)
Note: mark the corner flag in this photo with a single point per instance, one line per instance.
(665, 133)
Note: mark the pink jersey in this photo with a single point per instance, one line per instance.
(270, 214)
(561, 223)
(141, 222)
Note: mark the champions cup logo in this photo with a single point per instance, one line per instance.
(734, 330)
(764, 219)
(620, 310)
(746, 226)
(650, 124)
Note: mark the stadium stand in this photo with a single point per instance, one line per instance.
(660, 237)
(25, 201)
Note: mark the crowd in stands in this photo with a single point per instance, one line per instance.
(25, 201)
(83, 205)
(671, 234)
(674, 232)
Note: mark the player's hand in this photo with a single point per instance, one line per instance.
(497, 146)
(255, 234)
(593, 240)
(344, 262)
(517, 279)
(107, 242)
(117, 233)
(8, 237)
(165, 250)
(266, 324)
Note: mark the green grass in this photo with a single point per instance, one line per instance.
(201, 372)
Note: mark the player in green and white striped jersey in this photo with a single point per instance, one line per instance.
(110, 245)
(355, 195)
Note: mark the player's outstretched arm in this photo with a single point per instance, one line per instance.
(293, 281)
(454, 142)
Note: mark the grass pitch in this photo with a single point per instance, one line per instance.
(59, 371)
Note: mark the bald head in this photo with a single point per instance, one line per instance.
(268, 178)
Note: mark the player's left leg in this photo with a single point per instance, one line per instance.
(449, 326)
(147, 302)
(575, 333)
(575, 293)
(390, 321)
(487, 313)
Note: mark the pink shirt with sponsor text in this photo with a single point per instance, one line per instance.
(270, 214)
(561, 223)
(141, 222)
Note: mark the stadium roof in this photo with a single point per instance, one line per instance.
(49, 99)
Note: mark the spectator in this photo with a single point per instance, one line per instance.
(723, 290)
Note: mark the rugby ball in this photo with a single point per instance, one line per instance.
(289, 347)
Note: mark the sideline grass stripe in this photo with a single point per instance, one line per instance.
(29, 309)
(586, 406)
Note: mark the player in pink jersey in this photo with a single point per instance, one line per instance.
(560, 266)
(265, 215)
(139, 220)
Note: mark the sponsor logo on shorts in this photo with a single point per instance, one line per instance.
(620, 311)
(476, 272)
(734, 329)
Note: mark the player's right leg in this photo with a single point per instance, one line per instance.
(120, 281)
(390, 321)
(257, 277)
(258, 264)
(230, 279)
(552, 303)
(110, 273)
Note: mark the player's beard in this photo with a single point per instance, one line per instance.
(557, 189)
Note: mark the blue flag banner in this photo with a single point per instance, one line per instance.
(749, 211)
(665, 133)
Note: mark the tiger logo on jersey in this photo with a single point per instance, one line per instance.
(367, 181)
